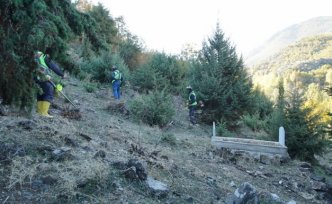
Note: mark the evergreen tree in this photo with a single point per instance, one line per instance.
(27, 26)
(304, 138)
(106, 26)
(220, 80)
(329, 125)
(160, 72)
(130, 50)
(277, 118)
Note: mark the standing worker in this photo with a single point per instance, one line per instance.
(117, 79)
(192, 103)
(43, 79)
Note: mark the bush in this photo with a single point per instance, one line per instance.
(261, 105)
(305, 137)
(146, 78)
(274, 122)
(254, 122)
(100, 67)
(155, 108)
(160, 72)
(223, 131)
(90, 87)
(168, 138)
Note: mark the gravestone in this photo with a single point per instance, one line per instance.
(282, 136)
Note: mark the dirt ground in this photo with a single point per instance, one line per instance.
(99, 136)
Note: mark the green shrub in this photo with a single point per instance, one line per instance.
(145, 78)
(223, 131)
(155, 108)
(168, 138)
(100, 67)
(261, 104)
(90, 87)
(81, 75)
(160, 72)
(254, 122)
(304, 138)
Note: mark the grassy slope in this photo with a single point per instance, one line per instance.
(194, 171)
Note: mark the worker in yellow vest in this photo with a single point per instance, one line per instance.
(192, 104)
(46, 68)
(116, 78)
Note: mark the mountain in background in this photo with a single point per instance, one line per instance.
(306, 55)
(308, 62)
(312, 27)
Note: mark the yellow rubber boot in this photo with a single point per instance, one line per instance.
(39, 107)
(44, 109)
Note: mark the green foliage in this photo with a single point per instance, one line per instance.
(254, 122)
(155, 108)
(223, 131)
(261, 105)
(160, 72)
(219, 78)
(329, 124)
(90, 87)
(106, 26)
(100, 66)
(112, 32)
(130, 46)
(307, 61)
(305, 55)
(130, 49)
(304, 137)
(146, 78)
(277, 118)
(304, 66)
(27, 26)
(168, 138)
(86, 50)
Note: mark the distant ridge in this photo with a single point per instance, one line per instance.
(311, 27)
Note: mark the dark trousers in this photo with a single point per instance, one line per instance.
(192, 114)
(48, 91)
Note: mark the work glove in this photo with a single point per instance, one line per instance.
(48, 77)
(58, 87)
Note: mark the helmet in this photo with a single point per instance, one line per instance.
(38, 53)
(189, 87)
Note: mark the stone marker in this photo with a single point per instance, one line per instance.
(282, 136)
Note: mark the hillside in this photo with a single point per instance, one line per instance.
(306, 55)
(311, 27)
(83, 157)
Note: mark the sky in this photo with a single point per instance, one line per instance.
(167, 25)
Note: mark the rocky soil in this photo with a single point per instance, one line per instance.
(101, 154)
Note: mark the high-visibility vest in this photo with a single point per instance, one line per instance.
(42, 66)
(42, 62)
(195, 102)
(116, 75)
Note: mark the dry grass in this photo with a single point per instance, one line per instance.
(23, 170)
(188, 164)
(73, 173)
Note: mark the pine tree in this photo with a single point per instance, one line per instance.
(304, 138)
(277, 118)
(329, 126)
(220, 80)
(27, 26)
(106, 27)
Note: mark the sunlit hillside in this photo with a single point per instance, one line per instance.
(312, 27)
(305, 66)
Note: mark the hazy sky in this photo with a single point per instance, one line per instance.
(166, 25)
